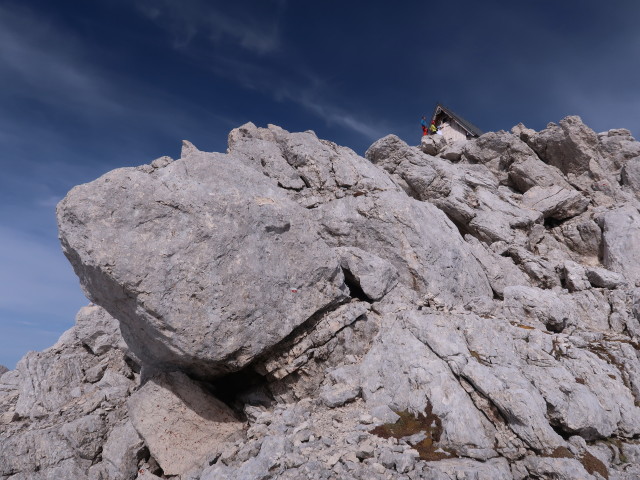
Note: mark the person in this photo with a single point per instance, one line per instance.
(432, 127)
(423, 122)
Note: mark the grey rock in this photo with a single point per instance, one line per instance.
(554, 311)
(575, 277)
(56, 418)
(397, 349)
(161, 162)
(339, 291)
(180, 422)
(531, 172)
(454, 469)
(560, 468)
(630, 175)
(145, 474)
(384, 414)
(501, 271)
(620, 237)
(193, 220)
(411, 170)
(432, 144)
(501, 148)
(249, 144)
(432, 256)
(603, 278)
(371, 273)
(555, 202)
(522, 132)
(453, 151)
(583, 236)
(121, 452)
(338, 395)
(570, 146)
(618, 149)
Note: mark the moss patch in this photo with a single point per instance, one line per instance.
(591, 464)
(409, 424)
(561, 452)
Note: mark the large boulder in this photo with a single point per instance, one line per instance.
(205, 262)
(415, 237)
(180, 422)
(571, 146)
(620, 240)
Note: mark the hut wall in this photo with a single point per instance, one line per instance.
(453, 132)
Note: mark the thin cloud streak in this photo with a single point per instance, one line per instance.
(260, 35)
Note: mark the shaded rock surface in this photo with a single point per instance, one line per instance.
(292, 310)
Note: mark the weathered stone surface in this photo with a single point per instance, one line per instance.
(404, 346)
(180, 422)
(620, 239)
(630, 175)
(583, 236)
(120, 453)
(453, 151)
(60, 404)
(176, 241)
(618, 148)
(531, 172)
(415, 237)
(575, 277)
(555, 202)
(601, 277)
(401, 317)
(571, 146)
(371, 273)
(432, 144)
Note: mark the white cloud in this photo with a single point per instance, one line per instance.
(256, 32)
(38, 62)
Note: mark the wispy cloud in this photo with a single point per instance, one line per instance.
(259, 33)
(255, 31)
(39, 63)
(49, 67)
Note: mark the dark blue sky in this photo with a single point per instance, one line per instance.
(88, 86)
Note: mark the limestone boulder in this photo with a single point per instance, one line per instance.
(555, 202)
(180, 422)
(618, 147)
(530, 172)
(630, 175)
(571, 146)
(415, 237)
(498, 151)
(171, 242)
(373, 275)
(432, 144)
(620, 240)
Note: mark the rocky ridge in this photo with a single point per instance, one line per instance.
(292, 310)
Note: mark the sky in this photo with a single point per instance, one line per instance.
(89, 86)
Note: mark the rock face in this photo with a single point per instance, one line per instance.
(181, 235)
(291, 310)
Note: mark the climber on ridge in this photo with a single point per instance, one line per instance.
(423, 122)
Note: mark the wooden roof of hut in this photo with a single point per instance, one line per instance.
(443, 114)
